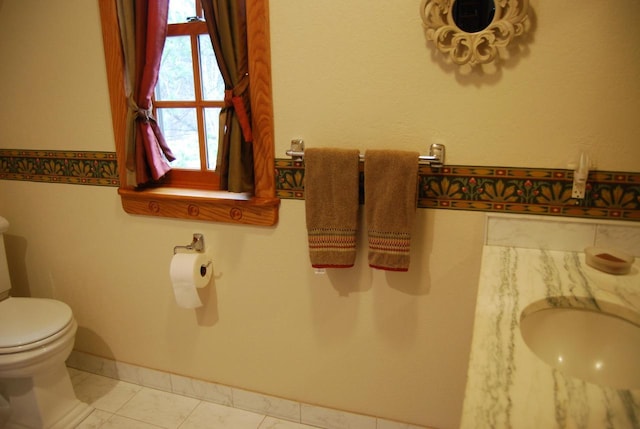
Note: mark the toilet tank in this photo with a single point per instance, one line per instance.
(5, 281)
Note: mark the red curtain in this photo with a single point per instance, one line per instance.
(143, 28)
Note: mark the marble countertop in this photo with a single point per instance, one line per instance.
(510, 387)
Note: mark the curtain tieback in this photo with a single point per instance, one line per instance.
(140, 114)
(237, 103)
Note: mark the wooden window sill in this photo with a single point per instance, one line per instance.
(196, 204)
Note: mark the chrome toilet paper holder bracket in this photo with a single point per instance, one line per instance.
(196, 245)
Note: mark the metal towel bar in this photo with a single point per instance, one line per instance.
(435, 157)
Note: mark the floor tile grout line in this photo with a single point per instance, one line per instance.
(115, 414)
(127, 401)
(264, 417)
(134, 419)
(190, 412)
(147, 388)
(117, 411)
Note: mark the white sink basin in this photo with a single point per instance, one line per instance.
(590, 345)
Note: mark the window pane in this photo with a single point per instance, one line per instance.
(180, 10)
(175, 80)
(180, 129)
(212, 83)
(212, 127)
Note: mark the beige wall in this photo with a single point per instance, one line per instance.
(360, 73)
(351, 74)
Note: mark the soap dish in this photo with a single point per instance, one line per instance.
(610, 261)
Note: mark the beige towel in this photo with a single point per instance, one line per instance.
(331, 203)
(390, 183)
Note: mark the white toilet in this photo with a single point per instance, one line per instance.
(36, 337)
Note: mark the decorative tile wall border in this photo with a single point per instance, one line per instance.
(70, 167)
(610, 194)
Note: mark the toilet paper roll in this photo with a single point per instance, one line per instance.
(189, 271)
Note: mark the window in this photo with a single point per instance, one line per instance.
(186, 198)
(189, 96)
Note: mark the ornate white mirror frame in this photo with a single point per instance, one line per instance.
(509, 20)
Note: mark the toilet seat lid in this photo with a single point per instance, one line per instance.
(27, 320)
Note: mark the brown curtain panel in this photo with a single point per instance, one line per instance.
(227, 24)
(143, 30)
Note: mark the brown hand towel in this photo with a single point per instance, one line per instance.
(390, 183)
(331, 203)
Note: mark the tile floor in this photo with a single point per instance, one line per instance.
(122, 405)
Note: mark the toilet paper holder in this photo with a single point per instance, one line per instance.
(197, 244)
(190, 269)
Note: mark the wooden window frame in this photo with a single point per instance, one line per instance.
(192, 203)
(203, 177)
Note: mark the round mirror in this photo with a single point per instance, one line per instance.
(473, 15)
(472, 31)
